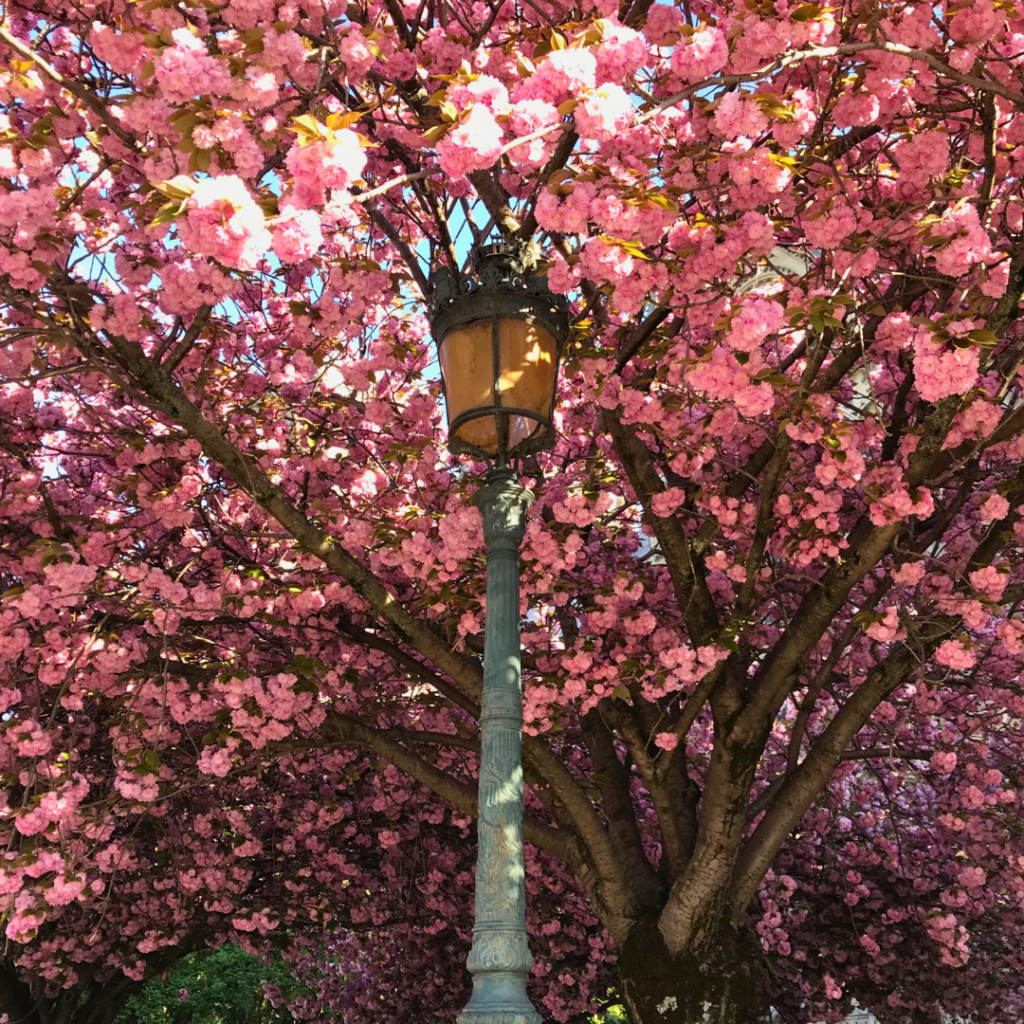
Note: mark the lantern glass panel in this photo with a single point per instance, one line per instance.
(467, 365)
(527, 363)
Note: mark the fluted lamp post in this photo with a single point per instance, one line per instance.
(499, 333)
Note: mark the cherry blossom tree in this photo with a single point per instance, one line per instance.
(770, 578)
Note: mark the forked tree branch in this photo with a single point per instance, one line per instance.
(802, 787)
(600, 869)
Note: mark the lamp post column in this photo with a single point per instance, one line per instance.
(500, 959)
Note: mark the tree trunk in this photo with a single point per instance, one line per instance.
(721, 982)
(15, 999)
(25, 1002)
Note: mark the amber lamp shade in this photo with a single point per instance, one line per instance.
(499, 338)
(521, 385)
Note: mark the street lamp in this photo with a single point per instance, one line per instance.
(499, 335)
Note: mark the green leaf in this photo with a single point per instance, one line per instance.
(184, 118)
(984, 338)
(664, 202)
(180, 187)
(253, 39)
(809, 12)
(166, 214)
(433, 135)
(774, 107)
(633, 248)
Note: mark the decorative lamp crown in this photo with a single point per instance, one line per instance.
(499, 335)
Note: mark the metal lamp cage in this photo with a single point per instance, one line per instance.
(499, 334)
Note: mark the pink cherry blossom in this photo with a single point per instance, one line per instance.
(968, 243)
(972, 877)
(561, 75)
(187, 69)
(124, 51)
(954, 655)
(486, 90)
(605, 112)
(332, 163)
(989, 581)
(909, 574)
(222, 221)
(995, 507)
(829, 228)
(473, 145)
(941, 370)
(753, 323)
(621, 52)
(297, 235)
(354, 50)
(770, 578)
(701, 56)
(976, 23)
(739, 115)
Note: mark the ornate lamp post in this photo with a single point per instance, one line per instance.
(499, 336)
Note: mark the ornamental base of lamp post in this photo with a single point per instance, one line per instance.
(500, 959)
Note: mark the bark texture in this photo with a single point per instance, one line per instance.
(721, 981)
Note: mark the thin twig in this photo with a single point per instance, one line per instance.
(87, 97)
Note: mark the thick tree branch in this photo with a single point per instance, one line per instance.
(602, 872)
(700, 895)
(676, 838)
(459, 794)
(182, 349)
(764, 524)
(989, 129)
(617, 802)
(163, 394)
(409, 663)
(802, 786)
(636, 340)
(804, 783)
(496, 199)
(823, 674)
(559, 158)
(867, 545)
